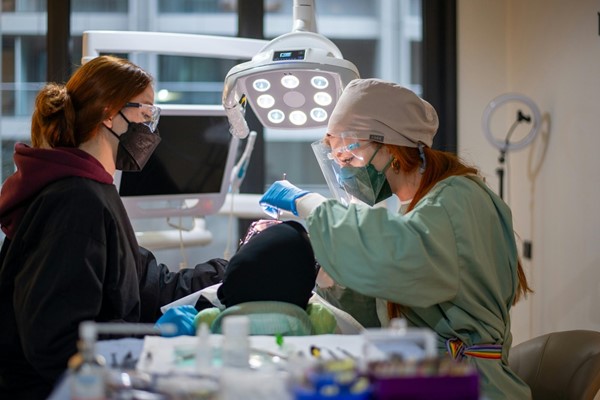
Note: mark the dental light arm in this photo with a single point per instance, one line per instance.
(304, 16)
(233, 48)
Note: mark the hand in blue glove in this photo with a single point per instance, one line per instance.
(182, 317)
(282, 195)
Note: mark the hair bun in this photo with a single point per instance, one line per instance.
(52, 99)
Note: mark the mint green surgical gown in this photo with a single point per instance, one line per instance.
(452, 261)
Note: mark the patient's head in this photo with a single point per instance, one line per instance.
(276, 265)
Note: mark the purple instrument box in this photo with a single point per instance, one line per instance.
(448, 387)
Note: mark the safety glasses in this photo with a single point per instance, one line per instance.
(350, 153)
(150, 114)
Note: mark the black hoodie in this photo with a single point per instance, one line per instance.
(71, 255)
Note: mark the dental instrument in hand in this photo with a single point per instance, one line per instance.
(271, 210)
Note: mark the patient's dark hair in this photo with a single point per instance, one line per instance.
(276, 265)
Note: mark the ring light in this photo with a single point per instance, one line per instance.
(505, 144)
(494, 105)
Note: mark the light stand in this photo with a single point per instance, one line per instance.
(505, 145)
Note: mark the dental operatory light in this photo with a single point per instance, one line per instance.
(293, 82)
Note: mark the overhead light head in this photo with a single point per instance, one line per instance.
(293, 82)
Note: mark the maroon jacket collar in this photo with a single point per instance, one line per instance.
(36, 168)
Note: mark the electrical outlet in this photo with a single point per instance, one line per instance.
(527, 249)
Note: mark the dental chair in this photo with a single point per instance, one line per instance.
(560, 365)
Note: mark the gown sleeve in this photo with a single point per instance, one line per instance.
(407, 259)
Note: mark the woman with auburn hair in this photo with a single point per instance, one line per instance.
(70, 253)
(446, 261)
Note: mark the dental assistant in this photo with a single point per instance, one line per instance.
(70, 253)
(447, 260)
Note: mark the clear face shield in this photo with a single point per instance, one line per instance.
(345, 162)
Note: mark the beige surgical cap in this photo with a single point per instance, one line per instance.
(384, 112)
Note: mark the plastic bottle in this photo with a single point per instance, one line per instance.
(236, 343)
(88, 372)
(204, 354)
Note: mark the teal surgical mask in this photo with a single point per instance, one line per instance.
(366, 183)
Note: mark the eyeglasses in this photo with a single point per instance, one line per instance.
(150, 114)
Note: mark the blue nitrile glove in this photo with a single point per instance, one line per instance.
(182, 317)
(283, 195)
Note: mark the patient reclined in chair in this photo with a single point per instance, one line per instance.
(270, 279)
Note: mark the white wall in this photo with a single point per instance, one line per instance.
(548, 50)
